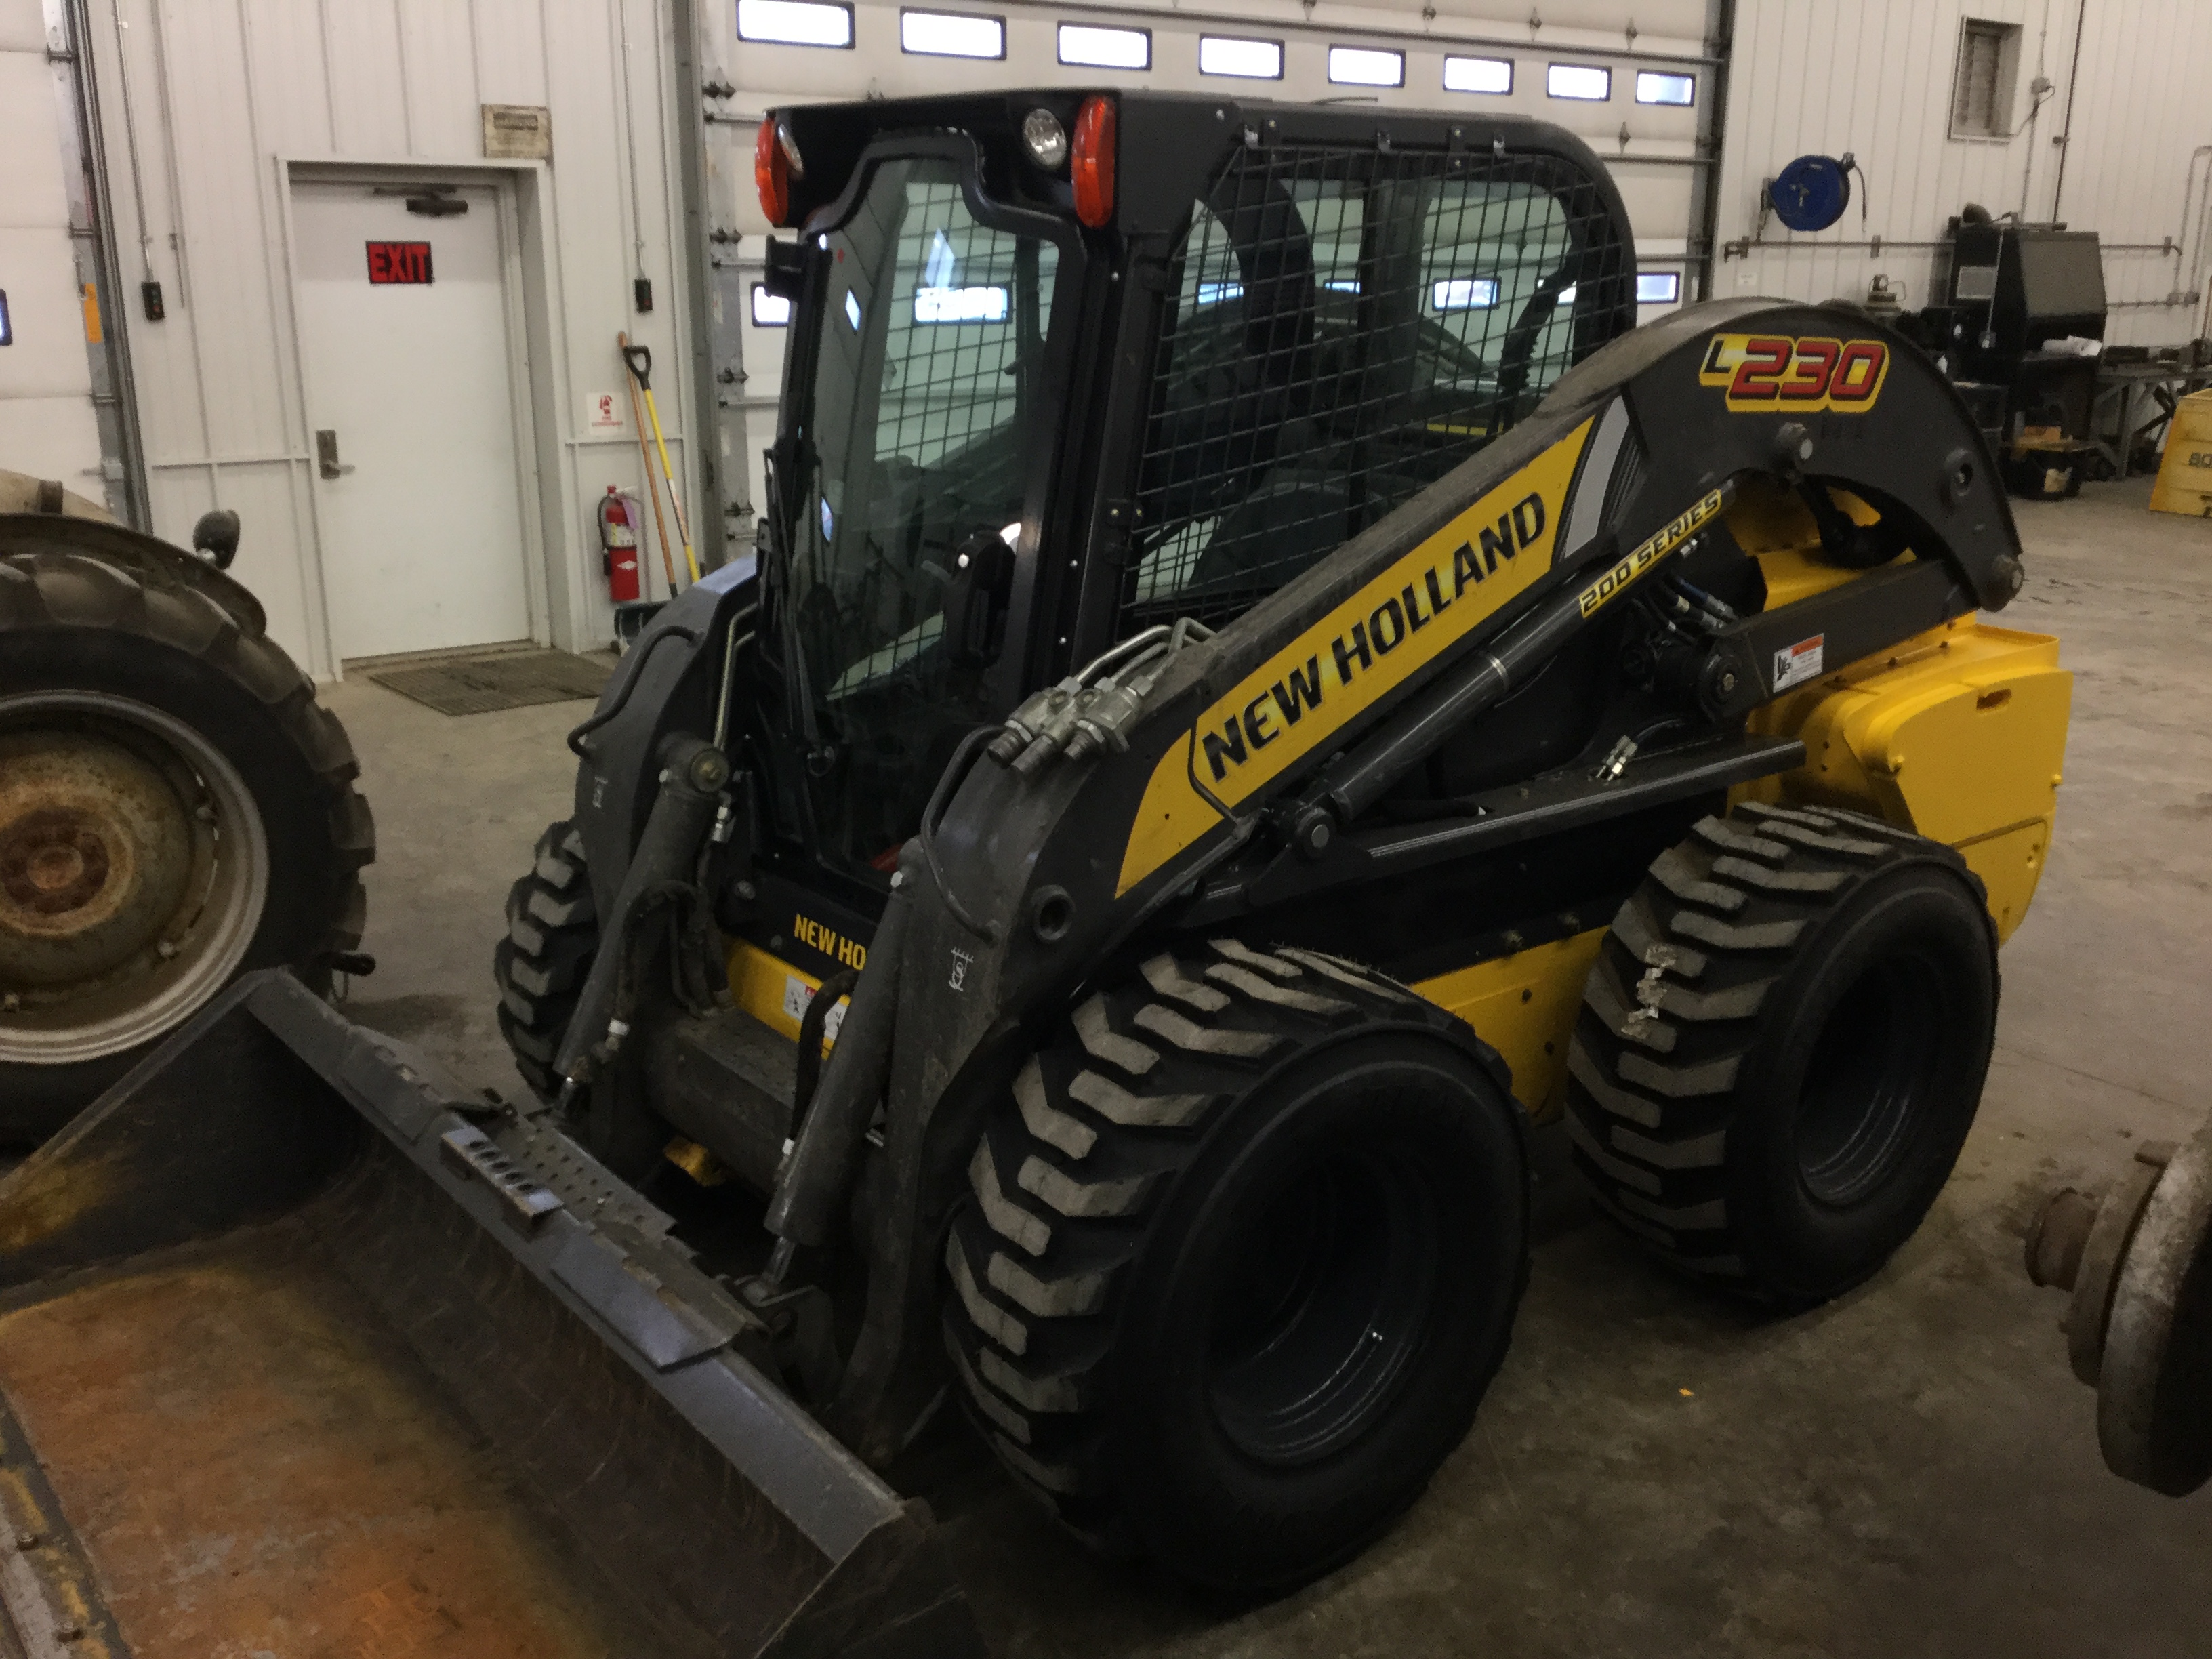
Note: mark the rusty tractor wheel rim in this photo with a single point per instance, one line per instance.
(134, 869)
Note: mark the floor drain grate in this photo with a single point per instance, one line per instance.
(511, 679)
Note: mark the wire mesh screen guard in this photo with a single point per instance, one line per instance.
(1349, 325)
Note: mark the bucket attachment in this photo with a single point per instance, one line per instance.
(616, 1378)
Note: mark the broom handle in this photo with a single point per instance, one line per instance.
(675, 501)
(645, 457)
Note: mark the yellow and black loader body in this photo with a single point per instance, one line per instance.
(1341, 596)
(1251, 800)
(1260, 688)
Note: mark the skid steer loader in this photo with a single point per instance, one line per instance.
(1263, 695)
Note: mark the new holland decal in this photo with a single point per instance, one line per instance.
(1767, 373)
(1404, 618)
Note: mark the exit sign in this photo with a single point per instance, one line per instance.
(398, 262)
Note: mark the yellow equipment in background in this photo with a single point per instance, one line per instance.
(2185, 478)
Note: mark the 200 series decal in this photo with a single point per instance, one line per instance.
(1372, 642)
(1640, 559)
(1769, 373)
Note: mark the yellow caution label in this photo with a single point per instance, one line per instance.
(1301, 698)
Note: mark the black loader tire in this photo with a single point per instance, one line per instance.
(552, 934)
(72, 622)
(540, 967)
(1781, 1047)
(1244, 1252)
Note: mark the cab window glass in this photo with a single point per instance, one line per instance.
(919, 442)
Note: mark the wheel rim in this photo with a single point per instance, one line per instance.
(1869, 1078)
(134, 870)
(1324, 1309)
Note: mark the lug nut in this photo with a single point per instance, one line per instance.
(27, 1540)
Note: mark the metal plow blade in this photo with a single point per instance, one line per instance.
(543, 1295)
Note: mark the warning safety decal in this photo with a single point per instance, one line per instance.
(1795, 664)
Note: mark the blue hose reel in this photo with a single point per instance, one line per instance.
(1812, 192)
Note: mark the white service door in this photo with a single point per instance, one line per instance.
(422, 533)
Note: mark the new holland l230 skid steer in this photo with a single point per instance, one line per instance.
(1262, 695)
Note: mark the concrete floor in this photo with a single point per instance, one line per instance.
(1912, 1470)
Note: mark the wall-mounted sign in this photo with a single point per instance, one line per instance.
(603, 414)
(398, 262)
(517, 132)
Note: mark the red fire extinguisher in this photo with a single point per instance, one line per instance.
(618, 526)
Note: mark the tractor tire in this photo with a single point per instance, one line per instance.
(552, 934)
(1781, 1047)
(1244, 1251)
(176, 809)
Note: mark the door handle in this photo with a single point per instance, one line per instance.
(326, 454)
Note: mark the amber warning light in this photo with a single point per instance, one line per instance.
(776, 162)
(1093, 165)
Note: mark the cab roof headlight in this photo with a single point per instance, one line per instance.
(1093, 170)
(1045, 139)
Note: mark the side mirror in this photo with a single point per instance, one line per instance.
(981, 577)
(785, 276)
(215, 538)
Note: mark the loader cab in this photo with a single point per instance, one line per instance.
(1064, 366)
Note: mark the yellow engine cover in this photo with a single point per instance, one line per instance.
(1958, 734)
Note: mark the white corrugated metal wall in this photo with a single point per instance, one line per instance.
(1874, 77)
(1652, 149)
(206, 105)
(2139, 160)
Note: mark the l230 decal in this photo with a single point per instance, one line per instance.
(1771, 373)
